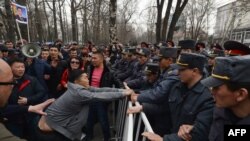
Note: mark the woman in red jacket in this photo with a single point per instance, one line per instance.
(74, 63)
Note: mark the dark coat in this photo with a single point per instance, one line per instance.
(159, 93)
(55, 77)
(222, 117)
(129, 70)
(38, 69)
(190, 106)
(107, 79)
(141, 84)
(172, 70)
(120, 66)
(30, 88)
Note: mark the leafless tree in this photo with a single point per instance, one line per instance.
(74, 7)
(112, 21)
(53, 9)
(38, 22)
(159, 4)
(180, 5)
(60, 6)
(127, 9)
(196, 13)
(8, 21)
(235, 12)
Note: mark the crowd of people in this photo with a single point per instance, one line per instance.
(188, 91)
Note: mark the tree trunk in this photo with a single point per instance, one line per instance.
(61, 20)
(85, 22)
(97, 35)
(178, 10)
(48, 36)
(160, 4)
(165, 21)
(39, 26)
(66, 25)
(55, 20)
(112, 21)
(10, 22)
(73, 20)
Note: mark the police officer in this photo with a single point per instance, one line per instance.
(132, 60)
(121, 64)
(234, 48)
(211, 59)
(230, 84)
(190, 103)
(138, 70)
(167, 57)
(187, 46)
(147, 82)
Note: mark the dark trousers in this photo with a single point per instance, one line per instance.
(49, 136)
(23, 127)
(98, 112)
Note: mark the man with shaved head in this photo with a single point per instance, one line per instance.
(6, 85)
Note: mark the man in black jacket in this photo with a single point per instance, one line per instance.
(6, 86)
(27, 91)
(100, 76)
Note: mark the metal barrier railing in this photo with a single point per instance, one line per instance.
(126, 123)
(129, 127)
(147, 126)
(121, 116)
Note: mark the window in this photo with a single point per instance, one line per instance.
(238, 36)
(247, 35)
(233, 37)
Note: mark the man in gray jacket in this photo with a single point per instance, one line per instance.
(68, 114)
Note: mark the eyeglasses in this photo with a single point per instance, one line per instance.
(74, 62)
(14, 82)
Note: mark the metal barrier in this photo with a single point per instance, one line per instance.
(120, 118)
(148, 128)
(126, 123)
(129, 127)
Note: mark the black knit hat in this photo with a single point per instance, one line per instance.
(75, 74)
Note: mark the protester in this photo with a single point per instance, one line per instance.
(69, 113)
(6, 86)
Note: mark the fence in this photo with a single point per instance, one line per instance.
(126, 123)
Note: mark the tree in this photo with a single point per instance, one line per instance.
(61, 3)
(197, 13)
(235, 12)
(74, 7)
(48, 35)
(180, 5)
(159, 4)
(112, 21)
(53, 9)
(126, 11)
(38, 22)
(9, 22)
(165, 20)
